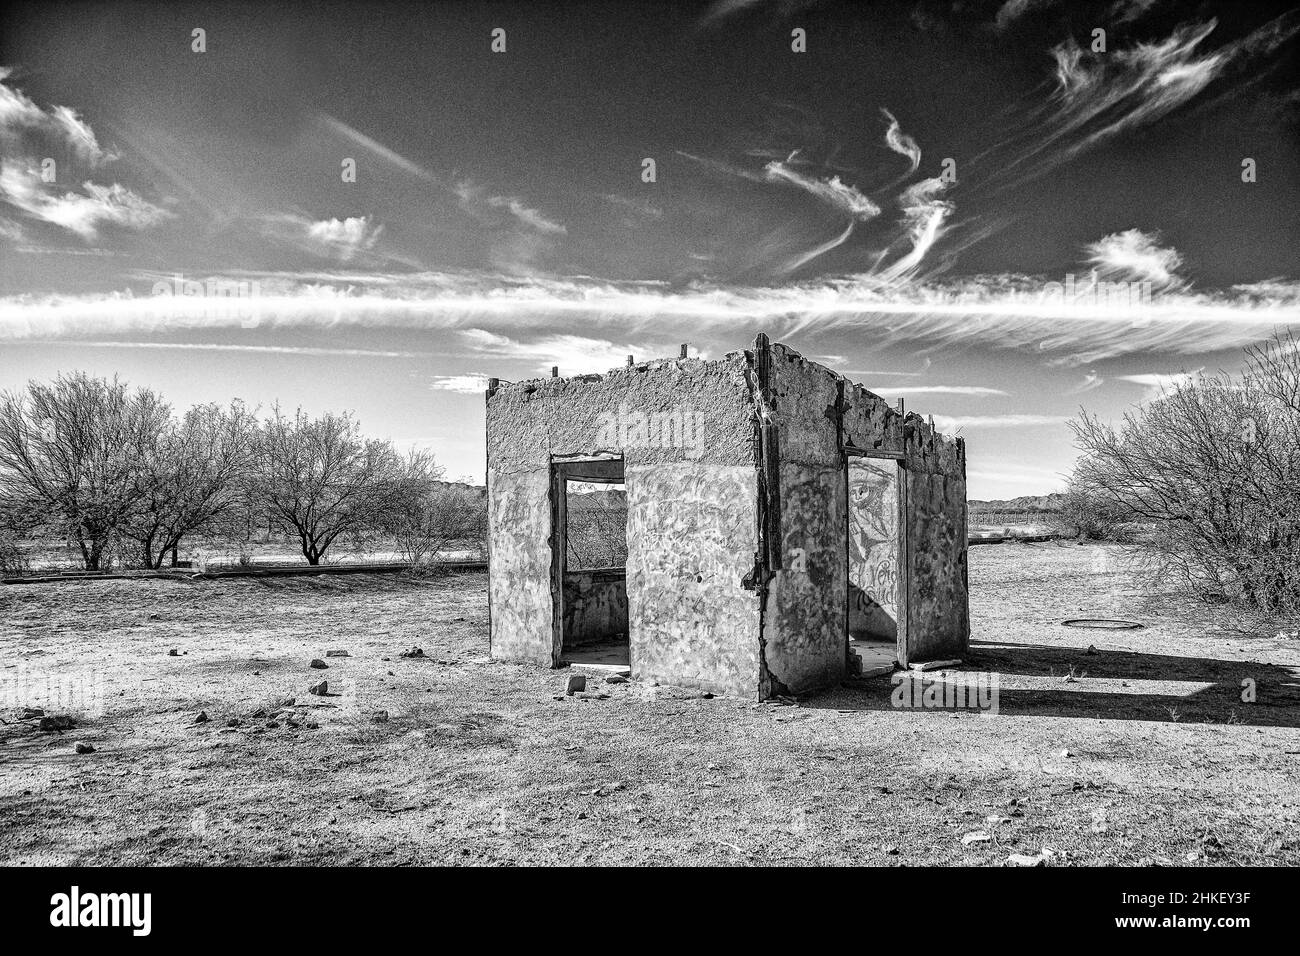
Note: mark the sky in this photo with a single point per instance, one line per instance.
(982, 208)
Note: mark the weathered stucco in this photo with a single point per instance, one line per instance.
(684, 430)
(736, 481)
(691, 541)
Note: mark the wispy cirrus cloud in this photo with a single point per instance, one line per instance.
(1004, 312)
(226, 347)
(901, 143)
(374, 147)
(950, 423)
(1100, 95)
(475, 198)
(1158, 383)
(972, 390)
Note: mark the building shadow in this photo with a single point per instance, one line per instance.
(1063, 676)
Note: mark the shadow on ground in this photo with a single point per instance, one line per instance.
(1097, 688)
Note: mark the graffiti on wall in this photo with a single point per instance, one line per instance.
(873, 548)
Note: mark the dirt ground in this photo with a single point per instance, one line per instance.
(1143, 751)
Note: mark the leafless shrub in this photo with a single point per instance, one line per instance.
(430, 517)
(597, 526)
(1212, 466)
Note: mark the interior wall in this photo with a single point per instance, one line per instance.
(874, 560)
(595, 606)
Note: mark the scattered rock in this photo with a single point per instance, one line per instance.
(891, 851)
(318, 664)
(320, 690)
(1092, 649)
(975, 836)
(337, 653)
(1066, 754)
(380, 716)
(1022, 859)
(174, 653)
(233, 722)
(59, 722)
(996, 818)
(616, 679)
(413, 652)
(591, 695)
(311, 725)
(84, 748)
(202, 718)
(576, 684)
(31, 713)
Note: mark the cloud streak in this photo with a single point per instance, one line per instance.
(1006, 312)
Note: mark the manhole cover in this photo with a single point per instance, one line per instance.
(1103, 624)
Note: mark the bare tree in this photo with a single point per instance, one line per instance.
(71, 450)
(429, 516)
(193, 476)
(320, 478)
(1212, 467)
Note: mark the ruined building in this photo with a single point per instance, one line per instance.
(755, 525)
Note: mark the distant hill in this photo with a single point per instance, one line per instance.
(1029, 503)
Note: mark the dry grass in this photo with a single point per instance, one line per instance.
(478, 763)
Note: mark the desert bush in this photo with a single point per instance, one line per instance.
(1212, 468)
(13, 559)
(1089, 514)
(596, 532)
(428, 517)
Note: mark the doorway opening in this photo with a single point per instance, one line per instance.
(592, 557)
(877, 594)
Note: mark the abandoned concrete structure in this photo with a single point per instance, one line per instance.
(779, 520)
